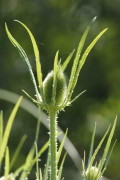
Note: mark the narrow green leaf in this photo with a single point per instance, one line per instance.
(7, 162)
(30, 97)
(77, 57)
(61, 167)
(25, 58)
(61, 147)
(47, 166)
(110, 153)
(27, 165)
(55, 76)
(78, 96)
(92, 144)
(1, 127)
(18, 171)
(41, 151)
(41, 175)
(83, 59)
(37, 57)
(30, 161)
(97, 149)
(8, 129)
(106, 149)
(17, 152)
(66, 62)
(37, 165)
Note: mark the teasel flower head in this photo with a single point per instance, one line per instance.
(95, 170)
(54, 92)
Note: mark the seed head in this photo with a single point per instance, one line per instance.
(61, 88)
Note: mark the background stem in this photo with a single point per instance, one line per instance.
(53, 145)
(38, 127)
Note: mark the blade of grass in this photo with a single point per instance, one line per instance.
(37, 57)
(8, 129)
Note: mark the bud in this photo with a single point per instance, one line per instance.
(92, 173)
(61, 88)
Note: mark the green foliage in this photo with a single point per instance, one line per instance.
(78, 63)
(53, 95)
(31, 108)
(6, 134)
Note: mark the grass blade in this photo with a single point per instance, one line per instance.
(8, 129)
(37, 57)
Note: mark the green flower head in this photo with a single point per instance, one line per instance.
(54, 92)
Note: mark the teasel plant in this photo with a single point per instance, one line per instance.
(54, 93)
(94, 169)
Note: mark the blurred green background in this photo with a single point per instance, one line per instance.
(59, 25)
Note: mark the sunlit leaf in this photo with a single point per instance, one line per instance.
(25, 58)
(37, 57)
(8, 129)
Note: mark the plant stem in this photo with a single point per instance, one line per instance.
(53, 144)
(38, 127)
